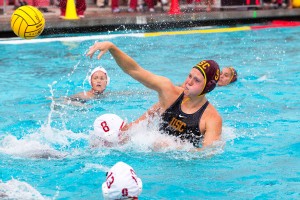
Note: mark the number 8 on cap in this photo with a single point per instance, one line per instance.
(108, 126)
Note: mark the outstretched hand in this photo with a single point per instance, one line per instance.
(103, 47)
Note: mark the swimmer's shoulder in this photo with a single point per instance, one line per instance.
(211, 114)
(80, 97)
(85, 96)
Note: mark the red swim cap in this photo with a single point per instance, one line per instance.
(211, 72)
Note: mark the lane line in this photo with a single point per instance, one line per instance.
(274, 24)
(217, 30)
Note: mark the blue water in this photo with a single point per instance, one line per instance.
(44, 143)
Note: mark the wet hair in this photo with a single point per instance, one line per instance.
(211, 72)
(233, 75)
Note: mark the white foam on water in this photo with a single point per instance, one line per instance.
(93, 166)
(151, 139)
(28, 148)
(14, 189)
(265, 78)
(228, 134)
(145, 137)
(59, 137)
(46, 143)
(154, 141)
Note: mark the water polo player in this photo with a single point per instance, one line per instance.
(185, 111)
(99, 80)
(228, 75)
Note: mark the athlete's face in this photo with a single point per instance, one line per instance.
(194, 84)
(225, 77)
(99, 81)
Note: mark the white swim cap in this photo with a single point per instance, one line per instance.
(121, 183)
(102, 70)
(108, 127)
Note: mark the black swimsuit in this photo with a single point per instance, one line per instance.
(182, 125)
(78, 99)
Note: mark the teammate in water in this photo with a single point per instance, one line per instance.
(122, 183)
(185, 111)
(98, 80)
(228, 75)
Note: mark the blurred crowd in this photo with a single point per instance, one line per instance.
(152, 6)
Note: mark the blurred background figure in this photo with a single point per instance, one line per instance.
(228, 75)
(209, 4)
(147, 5)
(98, 80)
(115, 6)
(102, 3)
(40, 4)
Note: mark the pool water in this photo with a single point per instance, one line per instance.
(44, 142)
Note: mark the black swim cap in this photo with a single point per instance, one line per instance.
(211, 72)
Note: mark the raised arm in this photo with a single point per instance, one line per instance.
(167, 91)
(128, 65)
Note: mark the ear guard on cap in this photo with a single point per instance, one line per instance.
(211, 73)
(210, 85)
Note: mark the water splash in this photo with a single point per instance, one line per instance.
(48, 122)
(14, 189)
(92, 166)
(28, 148)
(147, 138)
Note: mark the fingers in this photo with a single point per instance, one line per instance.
(91, 52)
(98, 46)
(93, 49)
(101, 54)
